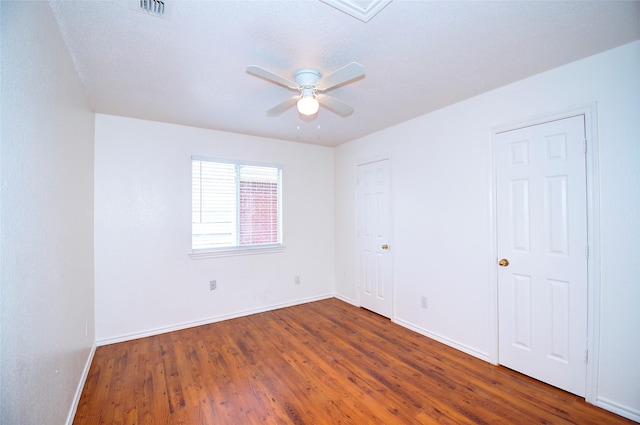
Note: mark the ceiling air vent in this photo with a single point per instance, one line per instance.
(155, 7)
(159, 8)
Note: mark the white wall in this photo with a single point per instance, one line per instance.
(145, 280)
(47, 304)
(441, 208)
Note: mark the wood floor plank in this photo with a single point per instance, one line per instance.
(328, 356)
(375, 362)
(325, 362)
(378, 362)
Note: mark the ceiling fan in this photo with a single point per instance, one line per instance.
(308, 82)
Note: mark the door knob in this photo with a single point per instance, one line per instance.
(503, 263)
(385, 246)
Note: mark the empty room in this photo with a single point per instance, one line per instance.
(319, 212)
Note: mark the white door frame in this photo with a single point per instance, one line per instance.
(358, 163)
(593, 239)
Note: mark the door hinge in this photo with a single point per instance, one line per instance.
(585, 145)
(586, 356)
(586, 251)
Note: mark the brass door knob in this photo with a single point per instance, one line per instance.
(385, 246)
(503, 263)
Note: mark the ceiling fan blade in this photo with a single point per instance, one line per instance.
(270, 76)
(346, 73)
(281, 107)
(335, 105)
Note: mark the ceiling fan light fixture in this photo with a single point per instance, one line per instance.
(308, 81)
(308, 104)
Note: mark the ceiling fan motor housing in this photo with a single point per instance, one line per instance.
(307, 77)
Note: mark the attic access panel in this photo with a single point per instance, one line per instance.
(363, 10)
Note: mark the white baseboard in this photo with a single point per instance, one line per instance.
(209, 320)
(451, 343)
(611, 406)
(347, 300)
(624, 411)
(618, 409)
(83, 379)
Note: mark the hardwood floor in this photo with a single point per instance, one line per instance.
(325, 362)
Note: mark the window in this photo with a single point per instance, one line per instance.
(235, 206)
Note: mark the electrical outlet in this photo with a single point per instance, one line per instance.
(213, 285)
(297, 280)
(424, 302)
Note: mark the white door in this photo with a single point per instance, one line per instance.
(542, 252)
(374, 228)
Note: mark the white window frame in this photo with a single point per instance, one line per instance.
(200, 253)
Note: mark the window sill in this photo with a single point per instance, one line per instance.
(199, 254)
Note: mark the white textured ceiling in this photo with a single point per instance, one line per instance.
(419, 56)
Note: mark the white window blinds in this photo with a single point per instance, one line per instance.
(235, 205)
